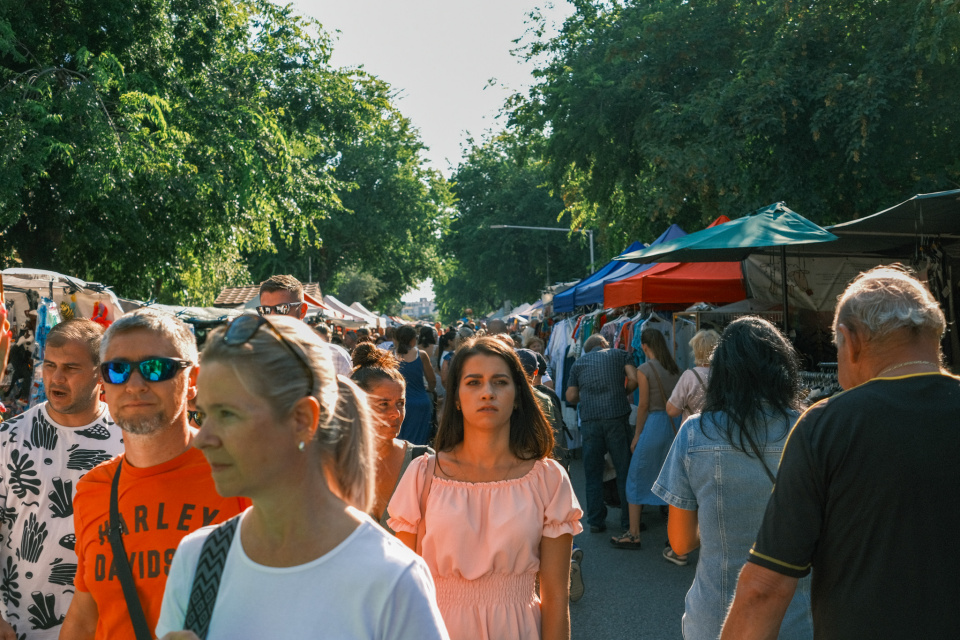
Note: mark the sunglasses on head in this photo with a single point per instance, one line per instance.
(241, 329)
(283, 309)
(151, 369)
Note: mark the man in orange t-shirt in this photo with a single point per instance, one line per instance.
(165, 489)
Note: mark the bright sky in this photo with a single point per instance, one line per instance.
(440, 56)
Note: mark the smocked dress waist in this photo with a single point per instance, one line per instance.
(494, 589)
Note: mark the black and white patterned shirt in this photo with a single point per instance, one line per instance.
(40, 464)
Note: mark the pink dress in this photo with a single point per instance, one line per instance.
(482, 544)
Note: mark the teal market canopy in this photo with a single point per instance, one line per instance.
(773, 226)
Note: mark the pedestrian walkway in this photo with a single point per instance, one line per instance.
(630, 595)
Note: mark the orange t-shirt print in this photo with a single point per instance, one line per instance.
(159, 505)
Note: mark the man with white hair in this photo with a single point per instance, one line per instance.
(867, 491)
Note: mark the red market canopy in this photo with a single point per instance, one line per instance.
(684, 283)
(680, 283)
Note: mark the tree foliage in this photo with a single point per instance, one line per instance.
(156, 145)
(501, 181)
(661, 111)
(394, 208)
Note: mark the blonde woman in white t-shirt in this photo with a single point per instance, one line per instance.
(279, 426)
(691, 390)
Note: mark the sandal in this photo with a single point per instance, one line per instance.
(626, 541)
(670, 556)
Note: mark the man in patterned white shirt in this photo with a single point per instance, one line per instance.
(43, 453)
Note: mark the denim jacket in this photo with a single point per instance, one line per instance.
(729, 491)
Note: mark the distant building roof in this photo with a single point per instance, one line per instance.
(239, 296)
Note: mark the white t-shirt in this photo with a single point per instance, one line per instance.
(341, 359)
(369, 586)
(40, 465)
(689, 394)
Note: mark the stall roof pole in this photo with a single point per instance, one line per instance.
(783, 280)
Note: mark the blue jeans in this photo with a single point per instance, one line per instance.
(599, 437)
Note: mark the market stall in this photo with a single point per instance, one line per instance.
(36, 300)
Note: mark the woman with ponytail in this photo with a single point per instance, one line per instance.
(375, 371)
(278, 426)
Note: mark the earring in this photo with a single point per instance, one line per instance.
(458, 406)
(301, 446)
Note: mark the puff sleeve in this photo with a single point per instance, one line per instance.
(562, 513)
(404, 506)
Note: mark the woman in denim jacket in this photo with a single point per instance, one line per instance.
(720, 470)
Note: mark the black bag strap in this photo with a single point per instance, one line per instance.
(206, 580)
(140, 627)
(700, 380)
(756, 450)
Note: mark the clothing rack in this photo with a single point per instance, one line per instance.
(820, 384)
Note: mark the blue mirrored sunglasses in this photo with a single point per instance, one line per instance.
(151, 369)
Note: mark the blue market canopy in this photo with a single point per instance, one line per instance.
(592, 292)
(773, 226)
(565, 301)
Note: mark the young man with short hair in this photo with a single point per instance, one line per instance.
(43, 454)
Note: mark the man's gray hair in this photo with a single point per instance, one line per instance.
(886, 299)
(174, 329)
(595, 342)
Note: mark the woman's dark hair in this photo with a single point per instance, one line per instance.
(428, 336)
(404, 335)
(445, 344)
(372, 365)
(658, 344)
(531, 437)
(755, 372)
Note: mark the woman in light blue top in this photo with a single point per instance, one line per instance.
(721, 468)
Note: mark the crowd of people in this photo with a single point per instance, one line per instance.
(295, 481)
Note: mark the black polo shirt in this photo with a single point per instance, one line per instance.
(868, 495)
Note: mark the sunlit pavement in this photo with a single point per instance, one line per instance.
(629, 594)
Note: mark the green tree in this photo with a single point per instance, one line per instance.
(393, 209)
(153, 144)
(502, 181)
(356, 286)
(661, 111)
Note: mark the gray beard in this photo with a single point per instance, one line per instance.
(142, 426)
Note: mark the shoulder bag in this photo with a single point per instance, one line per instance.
(206, 580)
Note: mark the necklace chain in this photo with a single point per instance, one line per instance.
(906, 364)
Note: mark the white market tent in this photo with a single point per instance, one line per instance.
(374, 318)
(348, 313)
(59, 288)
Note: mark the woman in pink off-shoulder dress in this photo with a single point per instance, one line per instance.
(496, 510)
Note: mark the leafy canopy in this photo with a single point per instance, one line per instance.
(660, 111)
(158, 145)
